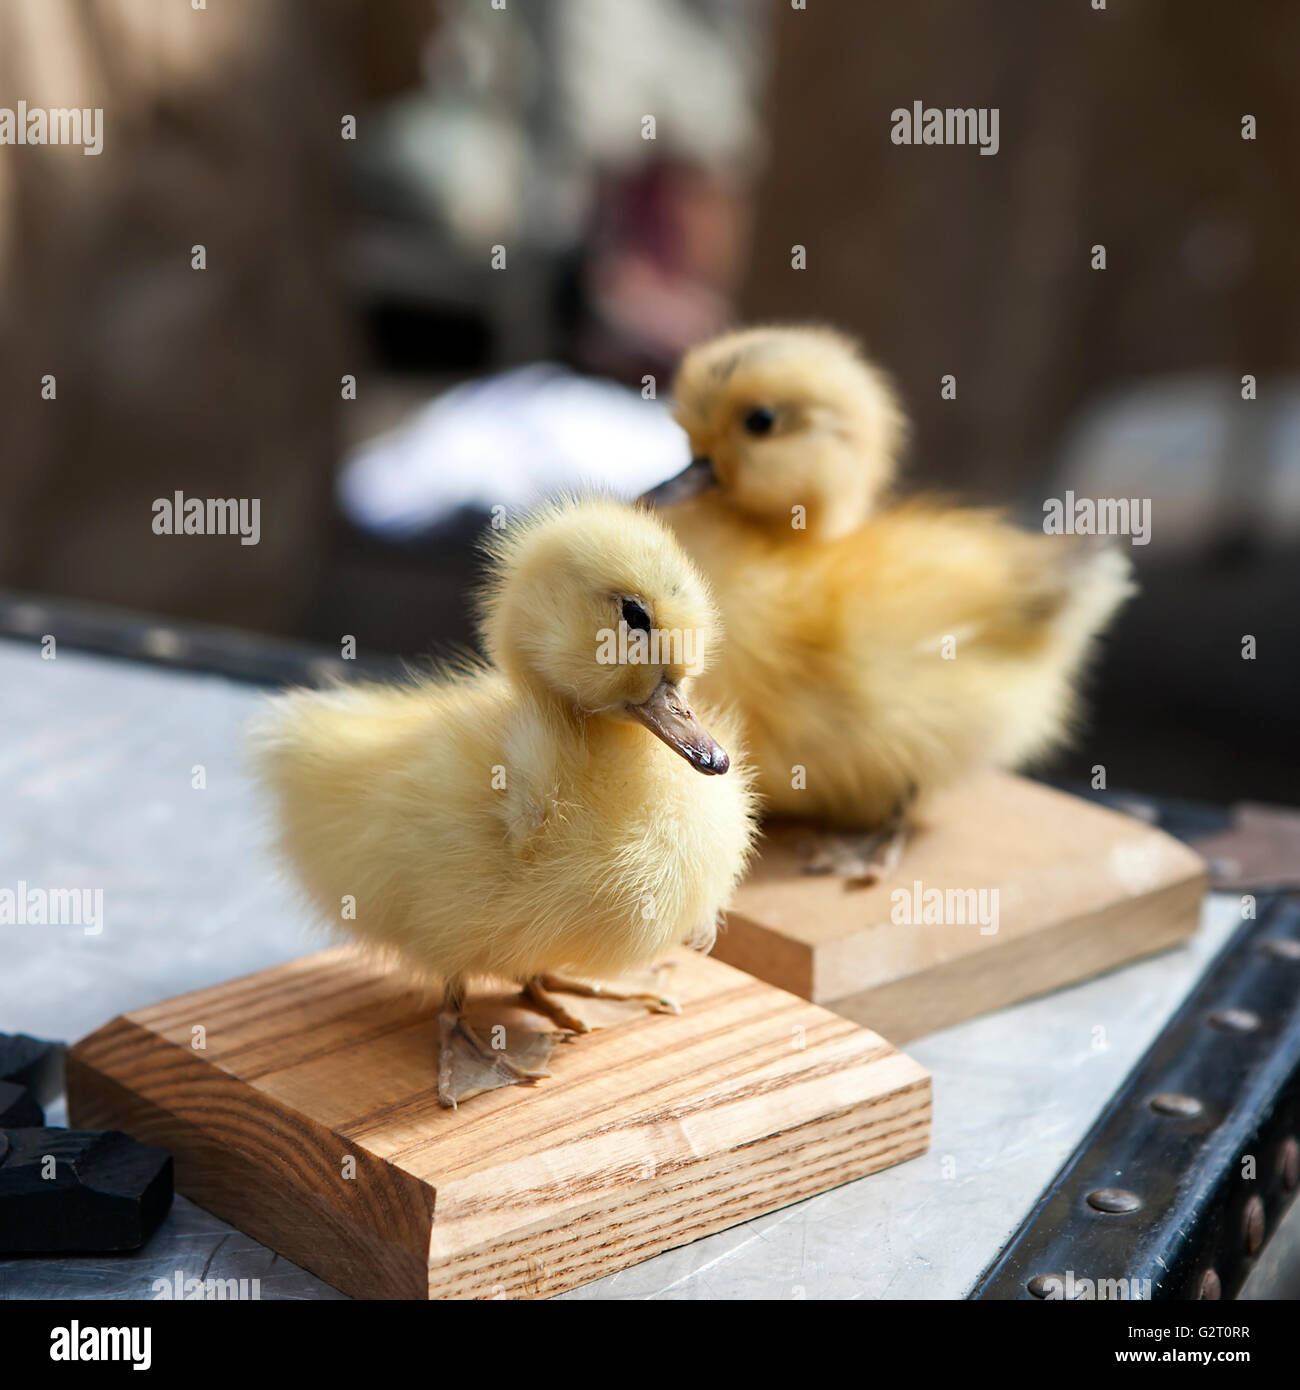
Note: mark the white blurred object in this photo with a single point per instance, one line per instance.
(697, 65)
(510, 440)
(1183, 442)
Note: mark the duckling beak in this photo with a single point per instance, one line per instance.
(697, 476)
(667, 715)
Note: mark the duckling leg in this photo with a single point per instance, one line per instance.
(539, 988)
(863, 860)
(452, 1024)
(448, 1019)
(890, 840)
(897, 831)
(537, 991)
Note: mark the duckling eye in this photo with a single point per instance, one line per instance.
(760, 420)
(635, 616)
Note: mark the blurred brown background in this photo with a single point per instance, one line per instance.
(525, 128)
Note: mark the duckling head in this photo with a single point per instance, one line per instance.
(788, 425)
(594, 606)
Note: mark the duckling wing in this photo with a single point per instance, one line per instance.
(387, 804)
(970, 633)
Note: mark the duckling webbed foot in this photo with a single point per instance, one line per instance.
(468, 1065)
(863, 860)
(540, 991)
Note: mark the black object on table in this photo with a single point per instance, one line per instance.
(19, 1108)
(32, 1063)
(65, 1190)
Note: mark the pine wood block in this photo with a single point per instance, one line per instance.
(1080, 889)
(649, 1134)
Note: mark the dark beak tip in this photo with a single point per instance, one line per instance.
(713, 761)
(667, 715)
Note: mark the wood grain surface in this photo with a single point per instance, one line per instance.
(650, 1133)
(1079, 889)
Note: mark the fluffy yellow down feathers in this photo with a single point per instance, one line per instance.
(547, 812)
(875, 651)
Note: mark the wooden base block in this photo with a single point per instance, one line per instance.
(309, 1120)
(1079, 889)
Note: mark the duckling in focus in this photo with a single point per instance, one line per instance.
(875, 651)
(559, 809)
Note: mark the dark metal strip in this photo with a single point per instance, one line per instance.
(186, 646)
(1189, 1170)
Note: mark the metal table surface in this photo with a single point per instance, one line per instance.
(97, 759)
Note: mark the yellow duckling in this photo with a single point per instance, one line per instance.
(539, 815)
(875, 652)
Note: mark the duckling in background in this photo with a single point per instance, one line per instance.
(876, 651)
(557, 810)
